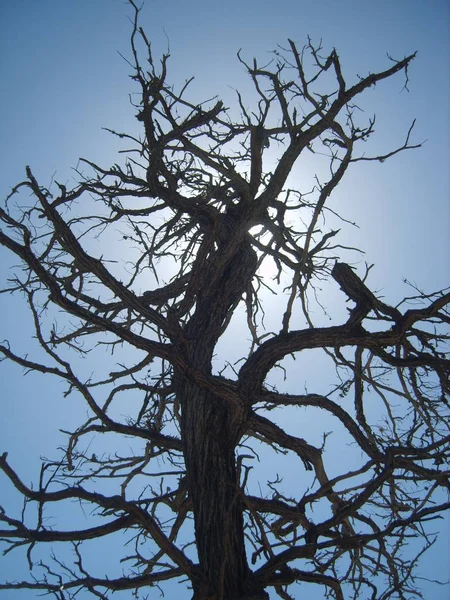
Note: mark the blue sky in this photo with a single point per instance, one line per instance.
(63, 80)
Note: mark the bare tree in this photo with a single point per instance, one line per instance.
(201, 214)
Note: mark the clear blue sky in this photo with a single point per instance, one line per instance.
(62, 79)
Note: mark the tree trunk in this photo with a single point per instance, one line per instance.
(210, 435)
(211, 430)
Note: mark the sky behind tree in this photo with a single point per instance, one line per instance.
(63, 79)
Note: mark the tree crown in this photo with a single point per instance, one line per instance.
(200, 212)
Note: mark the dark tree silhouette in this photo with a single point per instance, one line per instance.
(200, 214)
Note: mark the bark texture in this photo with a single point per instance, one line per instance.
(210, 433)
(211, 429)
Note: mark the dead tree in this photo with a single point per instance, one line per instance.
(200, 214)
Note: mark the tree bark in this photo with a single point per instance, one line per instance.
(211, 429)
(210, 433)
